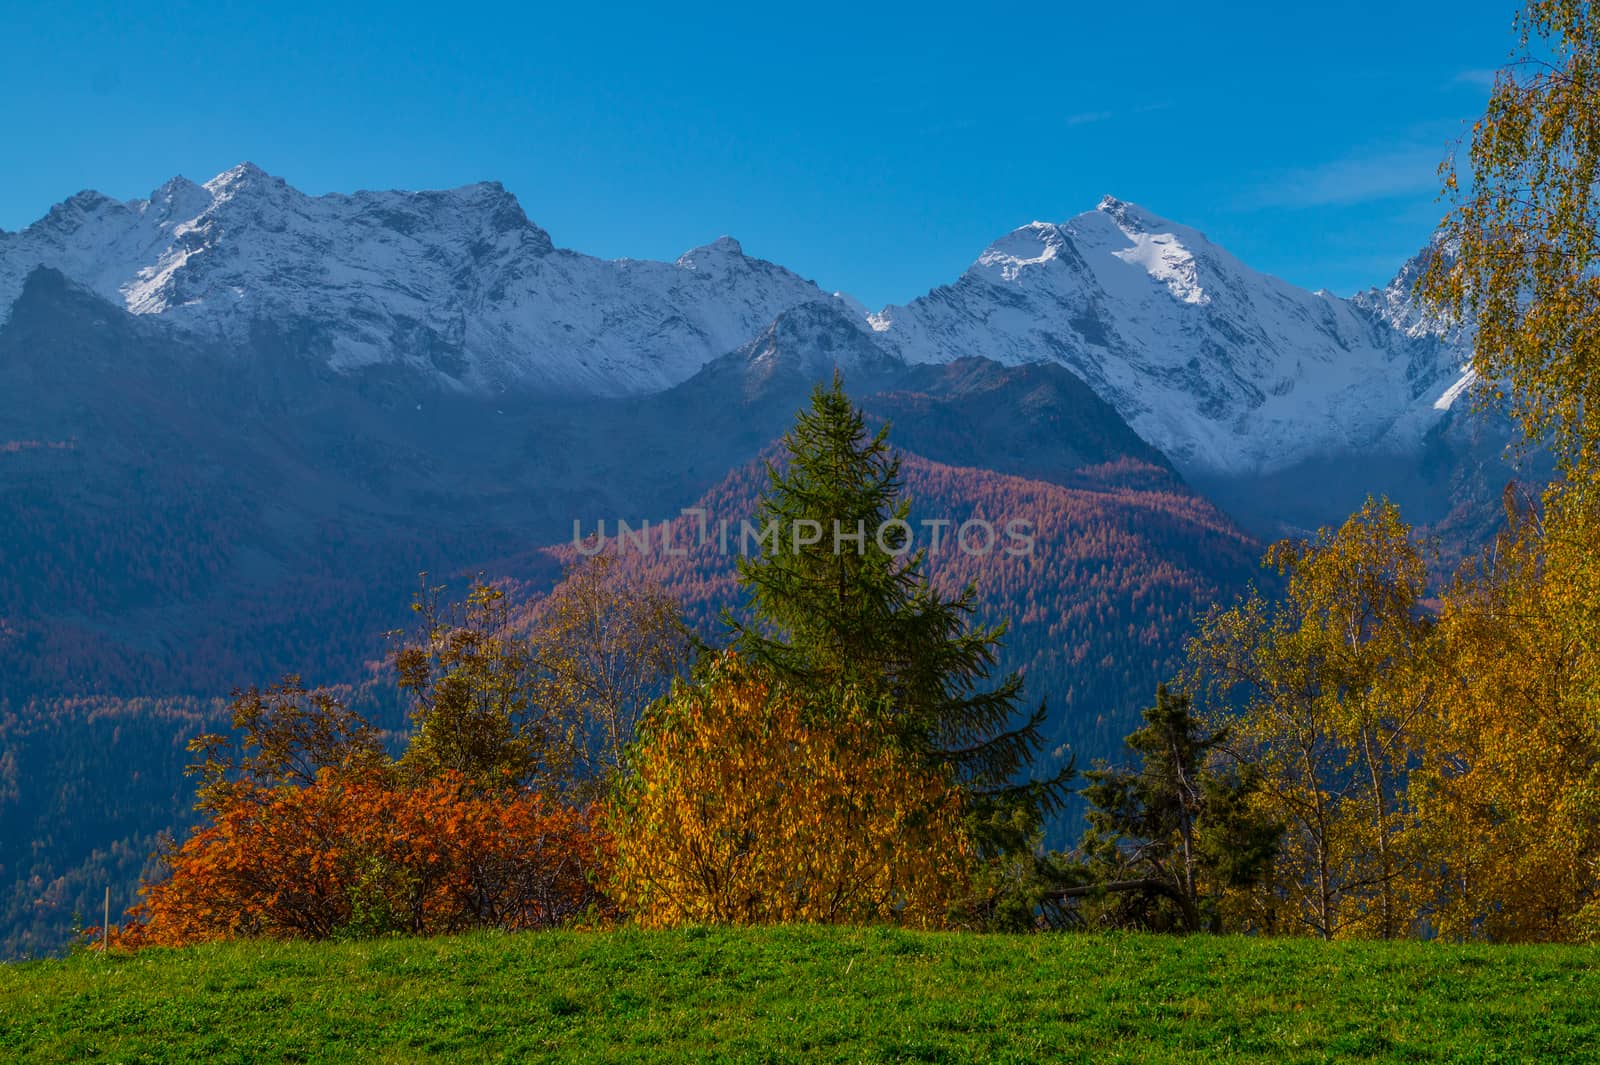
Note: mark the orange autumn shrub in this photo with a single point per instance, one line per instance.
(362, 854)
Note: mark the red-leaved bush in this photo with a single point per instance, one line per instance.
(355, 854)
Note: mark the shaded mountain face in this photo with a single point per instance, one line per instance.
(1449, 485)
(1034, 420)
(186, 521)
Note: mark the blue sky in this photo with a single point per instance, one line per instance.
(874, 148)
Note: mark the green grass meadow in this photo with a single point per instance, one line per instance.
(807, 994)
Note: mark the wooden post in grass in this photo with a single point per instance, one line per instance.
(105, 929)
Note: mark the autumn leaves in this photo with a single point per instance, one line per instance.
(1431, 756)
(364, 854)
(844, 761)
(1431, 742)
(488, 818)
(746, 805)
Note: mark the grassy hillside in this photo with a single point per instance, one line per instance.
(806, 994)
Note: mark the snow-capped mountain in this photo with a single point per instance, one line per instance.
(1227, 370)
(459, 284)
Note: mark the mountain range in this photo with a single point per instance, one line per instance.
(236, 421)
(1224, 369)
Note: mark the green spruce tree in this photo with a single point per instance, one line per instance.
(840, 600)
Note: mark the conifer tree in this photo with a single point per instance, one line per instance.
(1169, 837)
(841, 600)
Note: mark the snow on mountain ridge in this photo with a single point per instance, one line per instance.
(457, 284)
(1011, 254)
(714, 256)
(1224, 369)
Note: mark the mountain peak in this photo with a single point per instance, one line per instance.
(49, 299)
(1132, 218)
(1035, 244)
(454, 285)
(492, 192)
(1398, 302)
(721, 251)
(246, 178)
(243, 173)
(43, 281)
(810, 341)
(76, 210)
(179, 197)
(177, 185)
(1224, 369)
(496, 204)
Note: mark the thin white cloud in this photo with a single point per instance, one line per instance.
(1083, 118)
(1482, 79)
(1388, 175)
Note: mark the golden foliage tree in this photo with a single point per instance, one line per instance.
(1508, 791)
(1511, 780)
(1524, 268)
(748, 805)
(1322, 692)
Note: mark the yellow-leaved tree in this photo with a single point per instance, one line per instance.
(1523, 266)
(746, 803)
(1508, 789)
(1511, 784)
(1322, 693)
